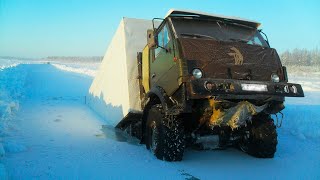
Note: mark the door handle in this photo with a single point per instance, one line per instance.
(153, 75)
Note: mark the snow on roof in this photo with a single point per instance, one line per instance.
(177, 12)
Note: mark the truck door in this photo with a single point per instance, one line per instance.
(164, 71)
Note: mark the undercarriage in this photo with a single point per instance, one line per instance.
(213, 124)
(217, 124)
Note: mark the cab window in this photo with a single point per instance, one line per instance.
(163, 39)
(257, 40)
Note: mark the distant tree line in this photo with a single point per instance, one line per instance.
(301, 57)
(76, 58)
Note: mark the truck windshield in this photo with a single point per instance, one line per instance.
(218, 30)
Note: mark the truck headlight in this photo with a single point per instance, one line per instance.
(197, 73)
(275, 78)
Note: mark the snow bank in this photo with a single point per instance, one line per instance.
(8, 63)
(84, 69)
(311, 83)
(307, 76)
(11, 91)
(12, 81)
(115, 89)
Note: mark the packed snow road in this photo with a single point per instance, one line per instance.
(54, 135)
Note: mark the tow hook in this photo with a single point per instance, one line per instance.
(279, 121)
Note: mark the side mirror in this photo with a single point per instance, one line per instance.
(151, 39)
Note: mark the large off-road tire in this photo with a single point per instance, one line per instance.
(165, 142)
(261, 139)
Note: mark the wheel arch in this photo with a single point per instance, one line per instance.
(156, 95)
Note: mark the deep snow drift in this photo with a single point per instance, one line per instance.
(51, 134)
(117, 89)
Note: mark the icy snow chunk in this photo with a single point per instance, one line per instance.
(80, 70)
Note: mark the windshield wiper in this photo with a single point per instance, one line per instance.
(197, 35)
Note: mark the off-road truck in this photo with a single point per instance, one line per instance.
(212, 77)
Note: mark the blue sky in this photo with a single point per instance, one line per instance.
(38, 28)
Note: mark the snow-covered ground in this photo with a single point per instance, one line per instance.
(47, 132)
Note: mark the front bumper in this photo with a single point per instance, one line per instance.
(198, 89)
